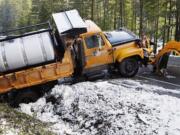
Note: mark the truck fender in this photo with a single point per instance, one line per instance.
(123, 55)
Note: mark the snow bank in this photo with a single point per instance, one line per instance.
(113, 107)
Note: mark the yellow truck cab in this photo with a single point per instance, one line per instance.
(118, 49)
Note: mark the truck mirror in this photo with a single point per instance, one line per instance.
(99, 42)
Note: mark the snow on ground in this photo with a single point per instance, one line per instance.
(114, 107)
(170, 76)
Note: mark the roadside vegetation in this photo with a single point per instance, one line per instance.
(17, 123)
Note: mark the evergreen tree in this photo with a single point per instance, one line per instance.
(159, 19)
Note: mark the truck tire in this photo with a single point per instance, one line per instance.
(128, 67)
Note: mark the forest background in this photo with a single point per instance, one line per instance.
(159, 19)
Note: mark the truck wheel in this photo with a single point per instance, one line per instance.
(128, 67)
(26, 96)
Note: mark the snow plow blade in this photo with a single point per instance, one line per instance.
(173, 64)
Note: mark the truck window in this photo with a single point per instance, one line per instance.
(94, 41)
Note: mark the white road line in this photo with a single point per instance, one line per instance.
(159, 81)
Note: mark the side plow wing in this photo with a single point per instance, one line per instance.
(161, 59)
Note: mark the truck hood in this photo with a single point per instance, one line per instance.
(120, 37)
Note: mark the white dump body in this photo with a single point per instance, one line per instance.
(26, 51)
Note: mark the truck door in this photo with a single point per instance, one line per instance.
(97, 51)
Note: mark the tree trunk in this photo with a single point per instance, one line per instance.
(134, 18)
(121, 13)
(169, 21)
(141, 18)
(115, 14)
(92, 9)
(157, 27)
(164, 30)
(177, 33)
(104, 19)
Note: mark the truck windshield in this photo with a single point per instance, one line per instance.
(118, 37)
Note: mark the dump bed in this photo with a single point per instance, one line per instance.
(42, 47)
(37, 75)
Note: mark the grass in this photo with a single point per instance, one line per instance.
(21, 124)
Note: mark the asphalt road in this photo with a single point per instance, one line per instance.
(171, 80)
(145, 75)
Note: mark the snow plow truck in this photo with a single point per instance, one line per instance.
(73, 47)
